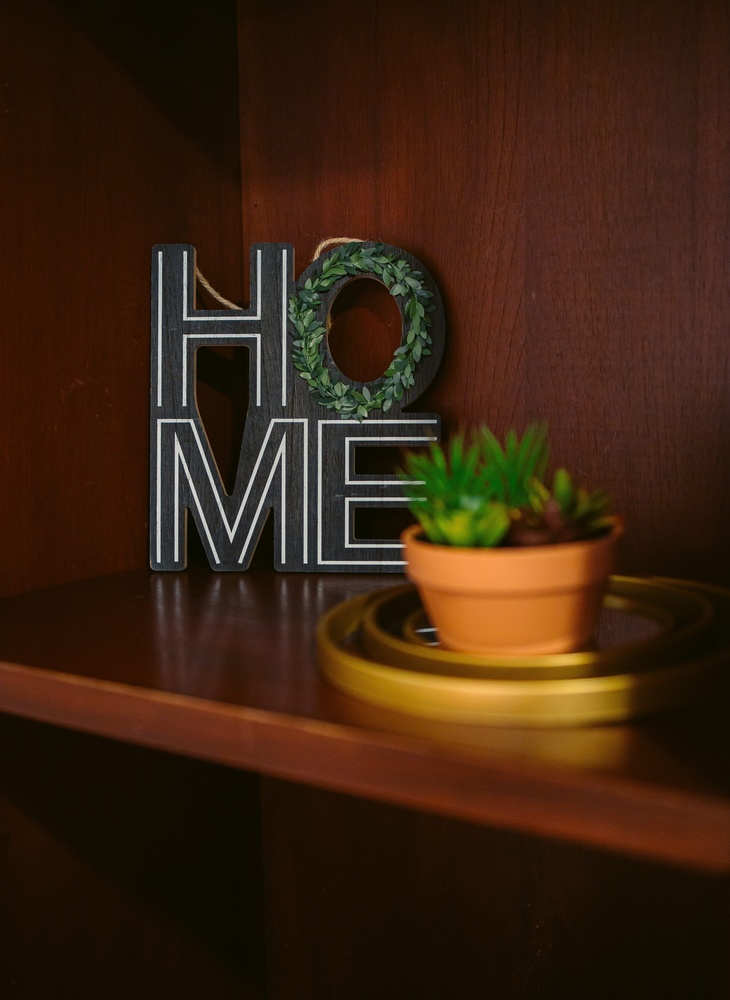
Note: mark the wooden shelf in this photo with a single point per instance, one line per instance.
(223, 668)
(561, 169)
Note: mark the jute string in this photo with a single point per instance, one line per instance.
(319, 250)
(199, 276)
(332, 242)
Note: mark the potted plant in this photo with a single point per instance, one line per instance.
(505, 560)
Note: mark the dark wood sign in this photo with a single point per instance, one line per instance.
(305, 420)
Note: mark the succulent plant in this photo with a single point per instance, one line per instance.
(481, 493)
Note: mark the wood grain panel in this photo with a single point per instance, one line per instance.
(94, 170)
(368, 902)
(400, 123)
(560, 167)
(224, 667)
(125, 873)
(627, 354)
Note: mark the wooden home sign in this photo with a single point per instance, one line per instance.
(305, 422)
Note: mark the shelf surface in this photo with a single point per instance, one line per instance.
(223, 667)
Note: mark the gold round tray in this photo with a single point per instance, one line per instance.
(683, 676)
(394, 623)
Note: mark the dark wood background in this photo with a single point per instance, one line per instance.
(118, 130)
(561, 166)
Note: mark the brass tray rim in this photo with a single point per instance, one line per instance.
(697, 610)
(517, 703)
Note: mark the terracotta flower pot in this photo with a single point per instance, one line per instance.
(518, 601)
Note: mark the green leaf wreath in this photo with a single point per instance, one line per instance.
(307, 350)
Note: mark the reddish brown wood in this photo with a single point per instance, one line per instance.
(364, 304)
(627, 223)
(118, 133)
(561, 168)
(125, 872)
(223, 667)
(407, 130)
(453, 909)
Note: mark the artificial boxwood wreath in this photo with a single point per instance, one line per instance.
(307, 351)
